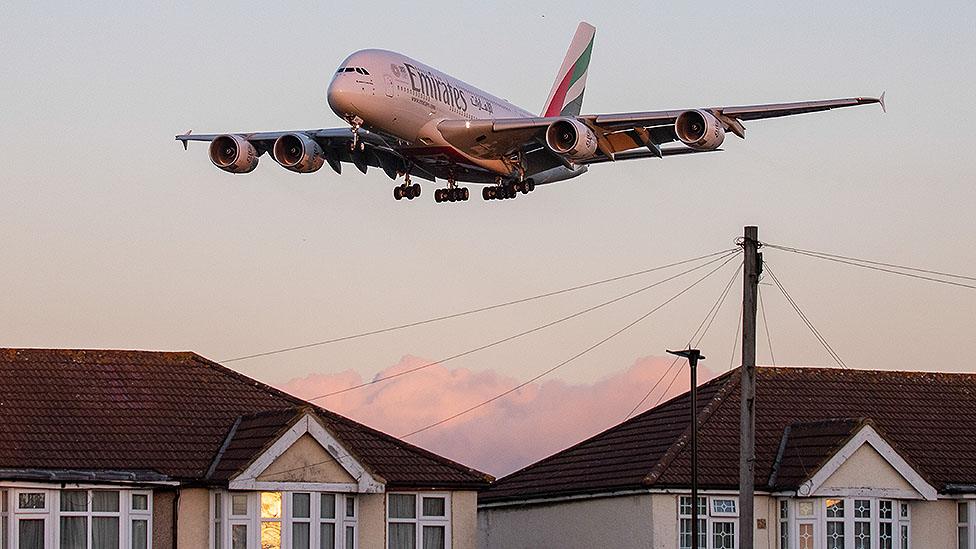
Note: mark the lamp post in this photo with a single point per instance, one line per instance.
(693, 356)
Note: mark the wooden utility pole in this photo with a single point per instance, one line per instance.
(747, 398)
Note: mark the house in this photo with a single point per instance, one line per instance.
(134, 449)
(845, 459)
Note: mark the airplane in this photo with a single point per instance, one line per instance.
(410, 119)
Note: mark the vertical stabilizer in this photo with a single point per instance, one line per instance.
(566, 96)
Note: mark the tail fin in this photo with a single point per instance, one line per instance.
(566, 96)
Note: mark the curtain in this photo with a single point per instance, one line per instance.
(105, 532)
(434, 537)
(328, 506)
(327, 536)
(105, 502)
(31, 532)
(140, 534)
(300, 535)
(403, 536)
(74, 500)
(403, 506)
(434, 507)
(238, 536)
(301, 505)
(74, 532)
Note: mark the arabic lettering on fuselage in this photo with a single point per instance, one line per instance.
(430, 85)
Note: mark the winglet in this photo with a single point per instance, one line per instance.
(183, 139)
(882, 101)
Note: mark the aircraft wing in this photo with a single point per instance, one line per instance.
(335, 143)
(618, 132)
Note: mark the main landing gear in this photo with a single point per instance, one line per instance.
(406, 190)
(452, 193)
(508, 190)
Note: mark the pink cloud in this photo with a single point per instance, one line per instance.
(535, 421)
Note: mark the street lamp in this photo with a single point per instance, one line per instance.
(693, 356)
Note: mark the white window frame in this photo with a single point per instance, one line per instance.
(252, 518)
(4, 515)
(710, 518)
(421, 520)
(819, 521)
(51, 513)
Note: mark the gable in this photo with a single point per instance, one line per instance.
(305, 461)
(867, 465)
(866, 469)
(304, 449)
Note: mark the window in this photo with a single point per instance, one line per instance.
(862, 524)
(276, 520)
(844, 523)
(78, 518)
(3, 519)
(784, 524)
(716, 522)
(270, 520)
(835, 523)
(886, 531)
(418, 521)
(962, 510)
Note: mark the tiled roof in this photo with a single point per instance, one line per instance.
(169, 412)
(927, 417)
(806, 446)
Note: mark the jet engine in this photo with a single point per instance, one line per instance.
(572, 139)
(298, 152)
(234, 154)
(699, 130)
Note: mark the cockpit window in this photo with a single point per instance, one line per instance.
(360, 70)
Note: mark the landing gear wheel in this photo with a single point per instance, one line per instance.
(398, 192)
(464, 193)
(486, 193)
(416, 189)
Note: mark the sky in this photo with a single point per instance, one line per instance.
(114, 237)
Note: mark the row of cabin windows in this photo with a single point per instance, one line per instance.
(75, 519)
(319, 520)
(360, 70)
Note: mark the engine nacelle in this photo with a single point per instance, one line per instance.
(572, 139)
(699, 130)
(234, 154)
(298, 152)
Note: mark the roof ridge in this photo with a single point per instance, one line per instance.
(706, 413)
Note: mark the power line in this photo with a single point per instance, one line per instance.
(715, 307)
(796, 307)
(735, 339)
(571, 359)
(473, 311)
(769, 340)
(375, 380)
(880, 266)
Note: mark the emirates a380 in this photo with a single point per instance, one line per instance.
(413, 121)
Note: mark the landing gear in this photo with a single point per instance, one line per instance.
(406, 191)
(452, 193)
(357, 143)
(508, 190)
(456, 194)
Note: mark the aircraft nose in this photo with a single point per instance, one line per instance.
(340, 97)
